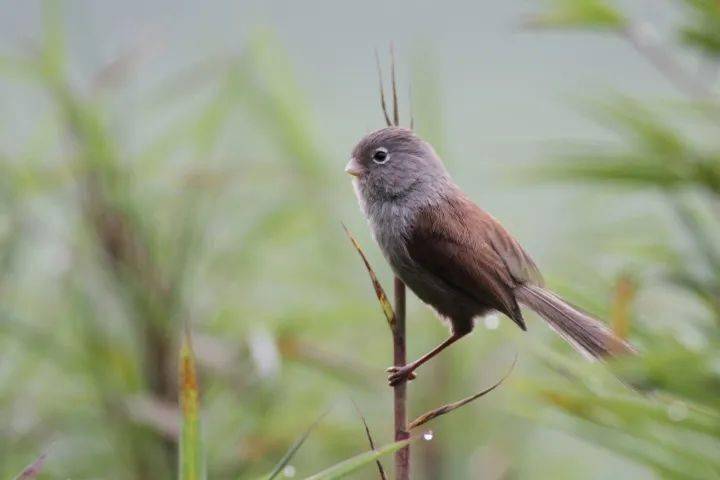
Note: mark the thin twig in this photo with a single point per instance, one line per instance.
(402, 456)
(432, 414)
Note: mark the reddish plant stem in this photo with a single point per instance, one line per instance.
(402, 457)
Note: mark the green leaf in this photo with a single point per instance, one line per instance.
(703, 29)
(353, 464)
(192, 463)
(579, 14)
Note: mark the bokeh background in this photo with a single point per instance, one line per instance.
(167, 163)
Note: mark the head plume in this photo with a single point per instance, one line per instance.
(393, 121)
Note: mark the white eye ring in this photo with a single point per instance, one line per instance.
(380, 155)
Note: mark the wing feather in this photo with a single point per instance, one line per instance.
(469, 250)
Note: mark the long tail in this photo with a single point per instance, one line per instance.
(586, 334)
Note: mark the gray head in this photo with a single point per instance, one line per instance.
(392, 163)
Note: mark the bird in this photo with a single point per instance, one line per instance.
(452, 254)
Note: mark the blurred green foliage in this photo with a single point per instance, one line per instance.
(672, 421)
(207, 200)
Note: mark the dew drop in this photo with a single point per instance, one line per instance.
(427, 436)
(289, 471)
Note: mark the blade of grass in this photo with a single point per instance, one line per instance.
(191, 448)
(353, 464)
(433, 414)
(295, 447)
(381, 470)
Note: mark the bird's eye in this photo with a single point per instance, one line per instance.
(381, 155)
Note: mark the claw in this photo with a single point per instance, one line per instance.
(399, 375)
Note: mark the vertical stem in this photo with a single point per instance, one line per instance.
(402, 457)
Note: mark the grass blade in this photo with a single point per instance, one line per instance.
(379, 291)
(381, 470)
(433, 414)
(294, 448)
(350, 465)
(191, 448)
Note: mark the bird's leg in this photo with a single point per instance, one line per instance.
(405, 373)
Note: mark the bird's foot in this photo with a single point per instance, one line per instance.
(399, 375)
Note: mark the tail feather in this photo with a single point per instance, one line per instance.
(586, 334)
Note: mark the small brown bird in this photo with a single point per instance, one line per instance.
(452, 254)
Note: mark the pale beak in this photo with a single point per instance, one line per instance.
(354, 168)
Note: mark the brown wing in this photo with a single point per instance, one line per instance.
(469, 250)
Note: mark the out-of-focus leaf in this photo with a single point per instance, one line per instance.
(33, 470)
(20, 68)
(621, 168)
(53, 54)
(656, 155)
(644, 451)
(664, 369)
(379, 291)
(705, 290)
(191, 457)
(625, 289)
(597, 14)
(698, 232)
(278, 101)
(355, 463)
(706, 38)
(340, 366)
(702, 29)
(630, 410)
(437, 412)
(642, 125)
(624, 442)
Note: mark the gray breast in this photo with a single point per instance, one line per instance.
(391, 223)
